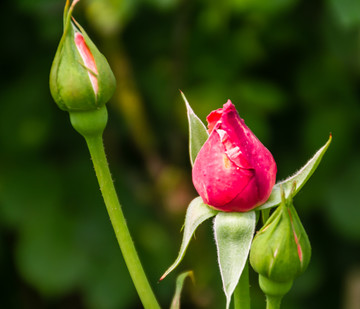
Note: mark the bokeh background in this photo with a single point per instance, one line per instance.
(292, 68)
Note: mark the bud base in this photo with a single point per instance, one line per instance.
(274, 288)
(89, 123)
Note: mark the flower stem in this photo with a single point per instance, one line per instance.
(242, 291)
(118, 221)
(90, 124)
(273, 302)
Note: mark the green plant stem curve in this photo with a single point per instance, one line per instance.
(91, 124)
(97, 152)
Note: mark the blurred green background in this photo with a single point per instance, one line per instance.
(291, 67)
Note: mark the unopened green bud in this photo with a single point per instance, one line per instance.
(80, 78)
(281, 249)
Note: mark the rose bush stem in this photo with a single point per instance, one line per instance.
(242, 290)
(97, 152)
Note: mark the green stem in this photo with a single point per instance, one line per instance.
(242, 290)
(273, 302)
(91, 124)
(118, 221)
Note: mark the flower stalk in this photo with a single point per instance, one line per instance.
(273, 302)
(90, 125)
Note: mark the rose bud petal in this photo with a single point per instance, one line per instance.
(233, 171)
(88, 59)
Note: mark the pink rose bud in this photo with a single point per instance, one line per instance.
(233, 171)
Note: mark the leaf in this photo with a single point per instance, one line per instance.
(196, 214)
(197, 131)
(175, 303)
(299, 178)
(234, 232)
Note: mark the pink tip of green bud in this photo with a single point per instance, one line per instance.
(88, 59)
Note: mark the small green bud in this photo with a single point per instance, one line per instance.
(281, 249)
(80, 78)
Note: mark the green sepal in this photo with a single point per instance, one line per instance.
(234, 232)
(299, 178)
(196, 214)
(197, 131)
(175, 303)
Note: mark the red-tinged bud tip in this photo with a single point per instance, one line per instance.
(162, 278)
